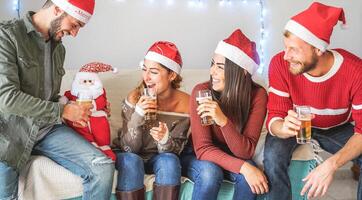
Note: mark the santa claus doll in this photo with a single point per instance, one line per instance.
(87, 84)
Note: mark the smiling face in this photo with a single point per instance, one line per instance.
(87, 82)
(302, 57)
(217, 72)
(64, 25)
(157, 77)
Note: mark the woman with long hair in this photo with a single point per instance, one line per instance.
(238, 107)
(155, 129)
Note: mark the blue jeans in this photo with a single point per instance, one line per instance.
(131, 170)
(278, 153)
(71, 151)
(207, 178)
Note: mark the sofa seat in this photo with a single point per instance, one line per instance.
(44, 179)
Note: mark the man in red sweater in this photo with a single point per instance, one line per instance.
(330, 82)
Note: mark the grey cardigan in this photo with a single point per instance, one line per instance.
(134, 135)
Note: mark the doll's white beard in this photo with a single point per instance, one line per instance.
(94, 91)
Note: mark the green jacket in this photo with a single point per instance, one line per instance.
(23, 110)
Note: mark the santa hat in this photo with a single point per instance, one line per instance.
(239, 49)
(79, 9)
(315, 24)
(96, 67)
(167, 54)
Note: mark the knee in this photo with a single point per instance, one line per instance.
(274, 157)
(210, 173)
(107, 172)
(102, 170)
(128, 161)
(169, 162)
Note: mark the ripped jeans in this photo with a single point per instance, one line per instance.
(71, 151)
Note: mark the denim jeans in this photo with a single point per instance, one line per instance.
(278, 153)
(131, 170)
(71, 151)
(207, 178)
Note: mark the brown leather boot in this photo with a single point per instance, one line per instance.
(132, 195)
(356, 171)
(166, 192)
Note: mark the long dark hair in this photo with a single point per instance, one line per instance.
(235, 99)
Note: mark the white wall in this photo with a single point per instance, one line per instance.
(121, 31)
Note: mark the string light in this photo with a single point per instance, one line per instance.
(199, 3)
(221, 2)
(229, 3)
(263, 32)
(16, 7)
(262, 36)
(170, 2)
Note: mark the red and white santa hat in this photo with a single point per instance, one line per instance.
(239, 49)
(96, 67)
(167, 54)
(315, 24)
(79, 9)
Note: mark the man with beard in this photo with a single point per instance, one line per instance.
(330, 83)
(88, 88)
(31, 70)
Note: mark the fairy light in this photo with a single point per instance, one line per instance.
(16, 7)
(263, 32)
(200, 3)
(229, 3)
(196, 3)
(221, 2)
(170, 2)
(263, 36)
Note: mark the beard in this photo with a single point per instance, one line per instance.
(55, 26)
(94, 91)
(303, 67)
